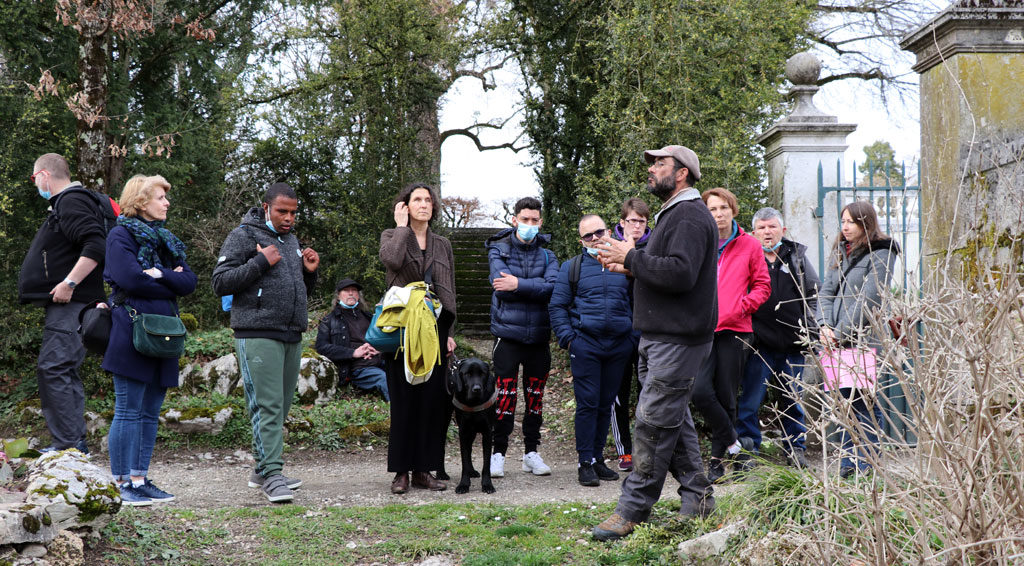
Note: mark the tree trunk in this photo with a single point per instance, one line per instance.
(428, 133)
(90, 144)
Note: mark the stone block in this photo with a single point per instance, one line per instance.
(201, 419)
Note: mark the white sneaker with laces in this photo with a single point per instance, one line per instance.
(497, 465)
(532, 462)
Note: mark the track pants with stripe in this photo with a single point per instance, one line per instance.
(270, 369)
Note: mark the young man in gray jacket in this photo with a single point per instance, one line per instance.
(262, 265)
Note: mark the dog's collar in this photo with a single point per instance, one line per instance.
(467, 409)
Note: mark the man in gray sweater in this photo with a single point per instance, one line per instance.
(262, 265)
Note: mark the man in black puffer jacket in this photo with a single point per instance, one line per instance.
(522, 273)
(62, 272)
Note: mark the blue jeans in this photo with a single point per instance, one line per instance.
(371, 379)
(861, 443)
(761, 367)
(133, 432)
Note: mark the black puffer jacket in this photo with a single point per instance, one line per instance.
(73, 229)
(793, 302)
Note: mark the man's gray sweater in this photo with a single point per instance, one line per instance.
(269, 300)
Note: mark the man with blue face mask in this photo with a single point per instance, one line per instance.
(341, 338)
(262, 264)
(62, 273)
(592, 317)
(781, 326)
(522, 273)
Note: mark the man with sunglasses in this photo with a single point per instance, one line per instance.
(62, 273)
(591, 316)
(675, 301)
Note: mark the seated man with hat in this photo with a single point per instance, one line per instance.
(341, 339)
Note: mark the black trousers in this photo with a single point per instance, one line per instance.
(419, 415)
(717, 387)
(535, 359)
(621, 408)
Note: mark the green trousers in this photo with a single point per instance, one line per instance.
(269, 370)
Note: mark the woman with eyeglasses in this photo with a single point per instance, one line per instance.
(743, 285)
(632, 226)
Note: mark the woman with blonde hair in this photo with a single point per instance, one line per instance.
(860, 266)
(146, 269)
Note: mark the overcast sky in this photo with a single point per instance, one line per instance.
(496, 175)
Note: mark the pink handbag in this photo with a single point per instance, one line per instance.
(849, 367)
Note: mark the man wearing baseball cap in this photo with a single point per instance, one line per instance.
(341, 338)
(675, 309)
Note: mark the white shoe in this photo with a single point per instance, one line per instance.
(532, 462)
(497, 465)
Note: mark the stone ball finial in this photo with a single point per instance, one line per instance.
(803, 69)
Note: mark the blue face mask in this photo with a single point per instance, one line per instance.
(592, 251)
(527, 233)
(349, 306)
(773, 248)
(44, 194)
(271, 226)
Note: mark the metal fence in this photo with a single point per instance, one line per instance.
(899, 214)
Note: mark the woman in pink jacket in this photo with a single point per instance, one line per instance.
(743, 285)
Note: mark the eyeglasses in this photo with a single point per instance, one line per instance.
(33, 176)
(595, 235)
(636, 221)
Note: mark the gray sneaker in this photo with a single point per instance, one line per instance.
(277, 490)
(256, 480)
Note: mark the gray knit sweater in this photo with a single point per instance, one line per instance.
(269, 300)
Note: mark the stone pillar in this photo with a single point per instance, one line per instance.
(794, 147)
(971, 61)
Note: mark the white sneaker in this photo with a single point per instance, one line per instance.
(532, 462)
(497, 465)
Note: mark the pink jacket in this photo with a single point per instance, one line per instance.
(743, 283)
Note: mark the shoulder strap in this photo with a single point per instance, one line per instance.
(574, 273)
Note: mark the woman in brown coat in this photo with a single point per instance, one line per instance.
(419, 420)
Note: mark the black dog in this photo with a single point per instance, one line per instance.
(473, 389)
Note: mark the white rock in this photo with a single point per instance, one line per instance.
(33, 551)
(706, 546)
(66, 549)
(318, 380)
(72, 491)
(213, 424)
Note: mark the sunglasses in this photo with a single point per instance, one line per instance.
(595, 235)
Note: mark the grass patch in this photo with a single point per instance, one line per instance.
(470, 534)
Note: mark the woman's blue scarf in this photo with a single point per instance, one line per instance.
(151, 236)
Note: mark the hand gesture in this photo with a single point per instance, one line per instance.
(612, 251)
(270, 252)
(505, 283)
(401, 214)
(365, 351)
(153, 272)
(310, 260)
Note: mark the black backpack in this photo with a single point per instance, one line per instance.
(574, 273)
(105, 207)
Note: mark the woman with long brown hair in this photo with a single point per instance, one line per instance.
(860, 267)
(419, 420)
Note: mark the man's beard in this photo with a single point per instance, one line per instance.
(663, 187)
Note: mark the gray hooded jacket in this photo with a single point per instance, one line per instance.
(269, 300)
(853, 287)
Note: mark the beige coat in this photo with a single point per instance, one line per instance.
(405, 262)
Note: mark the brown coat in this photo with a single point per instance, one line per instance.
(405, 262)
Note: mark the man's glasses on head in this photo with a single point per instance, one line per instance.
(595, 235)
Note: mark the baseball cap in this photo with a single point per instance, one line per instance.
(685, 155)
